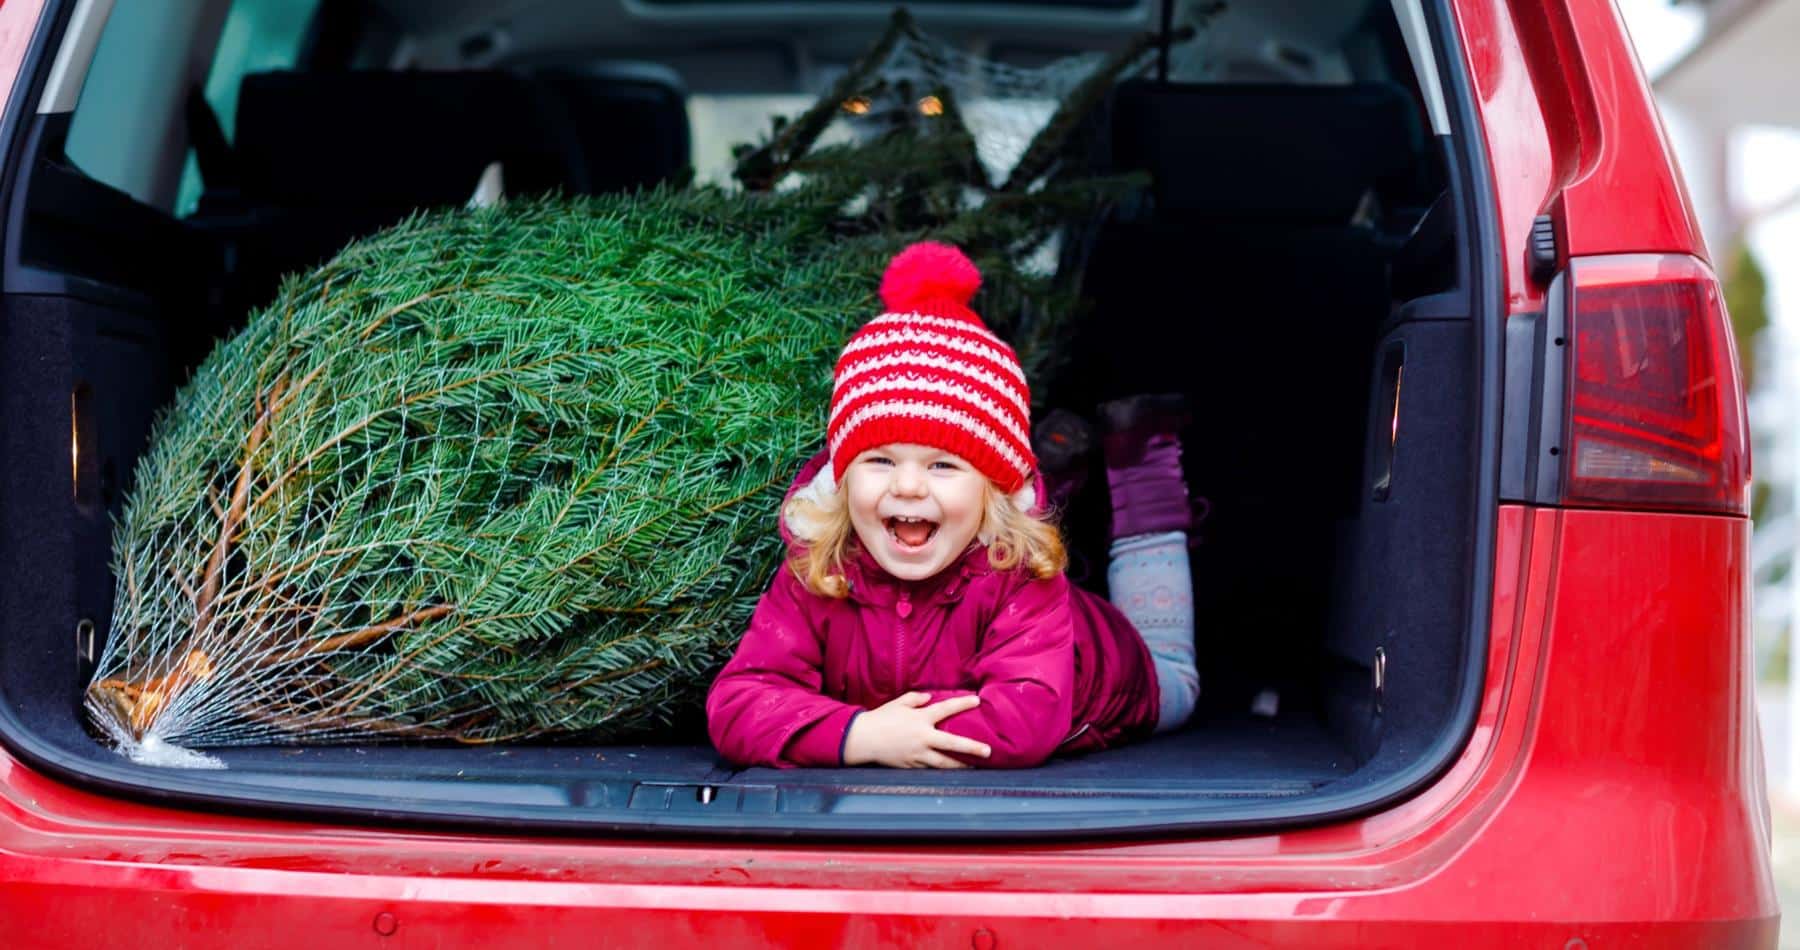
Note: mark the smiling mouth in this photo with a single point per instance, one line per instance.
(910, 533)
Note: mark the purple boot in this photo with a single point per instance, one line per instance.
(1143, 464)
(1061, 443)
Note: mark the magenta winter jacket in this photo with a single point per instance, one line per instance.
(1058, 669)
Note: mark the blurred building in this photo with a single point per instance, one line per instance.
(1729, 88)
(1742, 73)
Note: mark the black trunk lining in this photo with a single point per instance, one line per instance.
(1245, 757)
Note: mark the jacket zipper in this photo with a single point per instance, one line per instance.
(902, 607)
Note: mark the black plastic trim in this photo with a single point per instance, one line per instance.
(22, 104)
(1549, 420)
(1450, 305)
(1521, 405)
(44, 136)
(1537, 361)
(1041, 815)
(1542, 248)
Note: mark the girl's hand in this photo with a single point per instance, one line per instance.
(903, 734)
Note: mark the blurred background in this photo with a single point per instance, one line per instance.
(1729, 85)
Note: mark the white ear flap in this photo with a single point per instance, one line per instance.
(1026, 499)
(822, 484)
(822, 492)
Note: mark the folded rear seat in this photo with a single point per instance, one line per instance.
(322, 158)
(1268, 156)
(1254, 282)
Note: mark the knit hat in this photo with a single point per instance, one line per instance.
(929, 372)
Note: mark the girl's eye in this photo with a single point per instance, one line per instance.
(947, 466)
(878, 460)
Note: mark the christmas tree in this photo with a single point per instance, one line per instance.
(513, 472)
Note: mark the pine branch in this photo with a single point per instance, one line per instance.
(763, 167)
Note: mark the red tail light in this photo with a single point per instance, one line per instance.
(1656, 412)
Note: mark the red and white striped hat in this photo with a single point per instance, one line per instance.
(929, 372)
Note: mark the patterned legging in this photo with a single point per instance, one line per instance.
(1150, 584)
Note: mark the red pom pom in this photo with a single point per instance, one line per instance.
(929, 271)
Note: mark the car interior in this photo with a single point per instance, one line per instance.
(1300, 267)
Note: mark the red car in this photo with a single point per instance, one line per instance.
(1472, 590)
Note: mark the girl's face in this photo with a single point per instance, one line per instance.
(914, 508)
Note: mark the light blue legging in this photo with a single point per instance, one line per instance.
(1151, 586)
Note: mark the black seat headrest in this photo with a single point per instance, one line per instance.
(1266, 152)
(419, 139)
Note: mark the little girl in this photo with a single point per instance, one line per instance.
(923, 619)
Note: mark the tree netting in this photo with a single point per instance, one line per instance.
(920, 81)
(483, 476)
(510, 473)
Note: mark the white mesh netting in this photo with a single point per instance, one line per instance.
(1002, 106)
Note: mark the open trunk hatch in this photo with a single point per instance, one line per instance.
(1312, 265)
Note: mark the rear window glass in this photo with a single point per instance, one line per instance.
(258, 35)
(128, 129)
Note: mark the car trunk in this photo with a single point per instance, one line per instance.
(1304, 269)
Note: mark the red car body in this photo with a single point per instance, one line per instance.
(1611, 792)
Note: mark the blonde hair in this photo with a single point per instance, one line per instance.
(821, 523)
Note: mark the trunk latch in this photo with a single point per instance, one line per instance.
(1380, 667)
(678, 796)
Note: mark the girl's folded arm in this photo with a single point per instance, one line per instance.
(766, 707)
(1026, 676)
